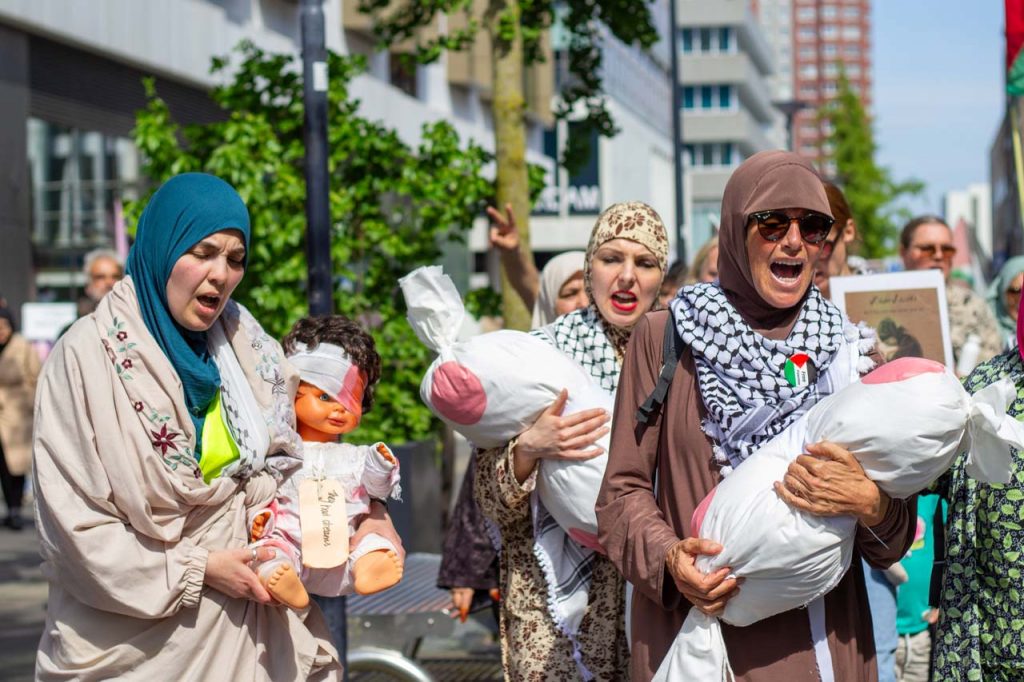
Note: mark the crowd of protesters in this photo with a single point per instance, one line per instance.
(165, 416)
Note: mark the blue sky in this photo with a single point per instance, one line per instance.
(938, 90)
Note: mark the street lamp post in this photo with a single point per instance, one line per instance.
(318, 216)
(677, 132)
(320, 288)
(790, 108)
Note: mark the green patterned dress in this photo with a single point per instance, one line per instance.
(981, 627)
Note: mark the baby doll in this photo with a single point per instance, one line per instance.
(338, 367)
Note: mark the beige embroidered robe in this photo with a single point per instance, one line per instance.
(126, 523)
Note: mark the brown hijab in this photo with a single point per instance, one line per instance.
(767, 180)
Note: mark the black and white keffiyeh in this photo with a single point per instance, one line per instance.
(741, 374)
(568, 566)
(581, 335)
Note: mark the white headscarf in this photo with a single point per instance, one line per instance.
(555, 274)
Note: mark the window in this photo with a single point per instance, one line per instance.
(725, 96)
(808, 71)
(830, 51)
(853, 70)
(829, 12)
(831, 70)
(852, 51)
(830, 89)
(806, 14)
(807, 52)
(687, 37)
(851, 12)
(851, 32)
(809, 92)
(403, 74)
(829, 31)
(706, 94)
(806, 33)
(712, 154)
(688, 97)
(724, 39)
(705, 40)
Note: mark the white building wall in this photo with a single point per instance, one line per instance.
(174, 38)
(974, 205)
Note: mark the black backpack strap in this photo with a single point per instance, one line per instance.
(671, 351)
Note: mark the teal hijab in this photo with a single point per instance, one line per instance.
(997, 299)
(185, 210)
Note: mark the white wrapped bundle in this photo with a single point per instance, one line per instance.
(905, 423)
(492, 387)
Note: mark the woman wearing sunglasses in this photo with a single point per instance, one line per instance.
(927, 243)
(733, 390)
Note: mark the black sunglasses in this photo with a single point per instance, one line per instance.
(773, 225)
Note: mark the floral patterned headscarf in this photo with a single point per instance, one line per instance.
(637, 222)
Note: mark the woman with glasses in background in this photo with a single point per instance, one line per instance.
(927, 243)
(1004, 298)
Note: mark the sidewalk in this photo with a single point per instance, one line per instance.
(22, 600)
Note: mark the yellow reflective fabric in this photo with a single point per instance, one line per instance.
(219, 448)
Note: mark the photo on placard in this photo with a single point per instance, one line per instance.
(907, 310)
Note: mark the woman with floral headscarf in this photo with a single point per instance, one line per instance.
(564, 619)
(732, 390)
(162, 418)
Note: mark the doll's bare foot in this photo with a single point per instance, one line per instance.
(377, 571)
(284, 584)
(259, 524)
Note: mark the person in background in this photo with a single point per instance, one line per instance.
(980, 633)
(103, 269)
(705, 263)
(19, 369)
(832, 261)
(915, 607)
(518, 265)
(676, 277)
(927, 243)
(1004, 298)
(562, 289)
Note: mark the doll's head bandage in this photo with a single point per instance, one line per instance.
(329, 368)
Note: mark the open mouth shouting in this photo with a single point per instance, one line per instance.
(787, 270)
(208, 303)
(624, 301)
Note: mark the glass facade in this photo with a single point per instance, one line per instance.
(79, 177)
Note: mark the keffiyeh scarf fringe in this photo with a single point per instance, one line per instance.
(566, 565)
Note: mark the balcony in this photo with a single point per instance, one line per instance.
(736, 126)
(733, 69)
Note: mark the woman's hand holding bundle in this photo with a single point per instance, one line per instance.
(829, 481)
(709, 593)
(229, 571)
(553, 436)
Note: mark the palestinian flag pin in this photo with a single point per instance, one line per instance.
(798, 370)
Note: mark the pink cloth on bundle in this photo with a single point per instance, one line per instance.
(364, 474)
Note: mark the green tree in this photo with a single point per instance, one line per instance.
(869, 188)
(517, 29)
(392, 208)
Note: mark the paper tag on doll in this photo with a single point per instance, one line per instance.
(324, 520)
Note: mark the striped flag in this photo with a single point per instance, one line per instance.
(1014, 43)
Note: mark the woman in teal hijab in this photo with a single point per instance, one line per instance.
(146, 547)
(1004, 297)
(184, 211)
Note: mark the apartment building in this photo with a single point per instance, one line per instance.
(728, 114)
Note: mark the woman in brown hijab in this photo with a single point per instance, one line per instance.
(730, 394)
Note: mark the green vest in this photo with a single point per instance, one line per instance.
(219, 448)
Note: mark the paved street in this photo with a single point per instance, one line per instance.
(22, 600)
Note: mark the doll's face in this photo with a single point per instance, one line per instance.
(317, 410)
